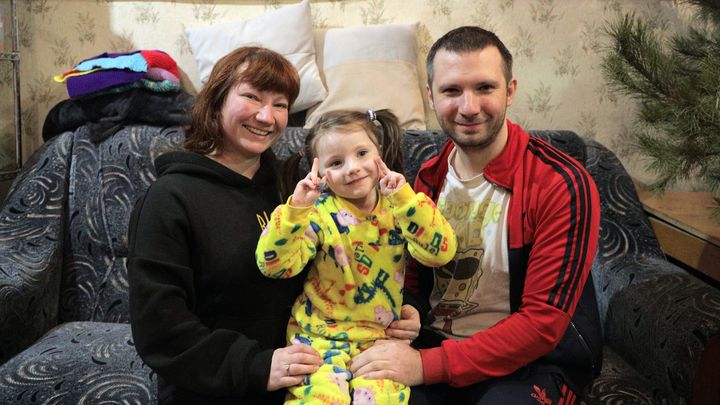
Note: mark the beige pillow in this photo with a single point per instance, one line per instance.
(287, 30)
(373, 66)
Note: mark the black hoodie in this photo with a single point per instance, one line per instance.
(203, 316)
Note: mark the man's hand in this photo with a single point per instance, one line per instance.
(406, 328)
(389, 359)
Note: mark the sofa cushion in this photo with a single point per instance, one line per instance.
(32, 224)
(619, 383)
(287, 30)
(649, 320)
(79, 362)
(377, 65)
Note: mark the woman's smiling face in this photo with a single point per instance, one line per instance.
(252, 120)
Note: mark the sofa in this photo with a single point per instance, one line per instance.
(64, 332)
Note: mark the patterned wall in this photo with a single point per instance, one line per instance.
(557, 44)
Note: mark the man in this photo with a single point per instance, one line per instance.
(514, 317)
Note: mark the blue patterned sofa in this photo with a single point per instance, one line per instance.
(64, 333)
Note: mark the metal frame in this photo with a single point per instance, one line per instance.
(14, 57)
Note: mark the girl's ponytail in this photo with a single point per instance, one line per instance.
(389, 138)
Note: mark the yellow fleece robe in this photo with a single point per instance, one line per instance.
(354, 286)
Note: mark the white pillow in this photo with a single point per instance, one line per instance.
(373, 66)
(287, 30)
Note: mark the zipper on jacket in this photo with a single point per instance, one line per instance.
(586, 346)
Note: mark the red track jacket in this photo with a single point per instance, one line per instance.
(553, 222)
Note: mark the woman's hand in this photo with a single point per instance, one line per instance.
(291, 364)
(390, 181)
(308, 189)
(407, 328)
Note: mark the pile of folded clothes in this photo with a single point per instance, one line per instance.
(112, 90)
(113, 72)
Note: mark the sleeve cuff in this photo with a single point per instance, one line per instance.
(259, 372)
(402, 196)
(296, 214)
(434, 364)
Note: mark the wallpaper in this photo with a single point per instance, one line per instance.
(557, 45)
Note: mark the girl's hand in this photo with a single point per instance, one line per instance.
(291, 364)
(390, 181)
(407, 328)
(308, 189)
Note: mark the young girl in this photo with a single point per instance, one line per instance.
(355, 235)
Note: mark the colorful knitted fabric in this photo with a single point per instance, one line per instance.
(160, 74)
(63, 77)
(163, 86)
(112, 70)
(162, 60)
(83, 85)
(135, 62)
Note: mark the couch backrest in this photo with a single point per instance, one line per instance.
(627, 242)
(107, 178)
(627, 246)
(105, 181)
(628, 250)
(417, 147)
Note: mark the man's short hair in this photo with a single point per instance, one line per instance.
(468, 39)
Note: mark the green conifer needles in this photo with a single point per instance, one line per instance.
(676, 82)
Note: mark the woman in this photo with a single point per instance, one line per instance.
(203, 317)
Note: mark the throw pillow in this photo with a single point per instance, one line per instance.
(287, 30)
(373, 66)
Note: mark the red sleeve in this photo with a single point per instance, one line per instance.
(566, 221)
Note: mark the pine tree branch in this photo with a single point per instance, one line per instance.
(677, 85)
(709, 10)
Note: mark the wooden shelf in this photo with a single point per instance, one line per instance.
(686, 228)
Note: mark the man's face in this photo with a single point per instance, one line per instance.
(470, 96)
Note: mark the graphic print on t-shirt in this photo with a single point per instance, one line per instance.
(471, 292)
(459, 280)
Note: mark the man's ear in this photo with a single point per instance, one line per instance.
(511, 88)
(430, 97)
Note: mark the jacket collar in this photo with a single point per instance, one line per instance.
(499, 171)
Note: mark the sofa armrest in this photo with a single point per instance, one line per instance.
(705, 388)
(664, 325)
(31, 237)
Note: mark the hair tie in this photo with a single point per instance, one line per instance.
(373, 118)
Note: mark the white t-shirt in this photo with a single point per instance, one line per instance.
(471, 293)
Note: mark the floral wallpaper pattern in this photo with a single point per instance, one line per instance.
(557, 45)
